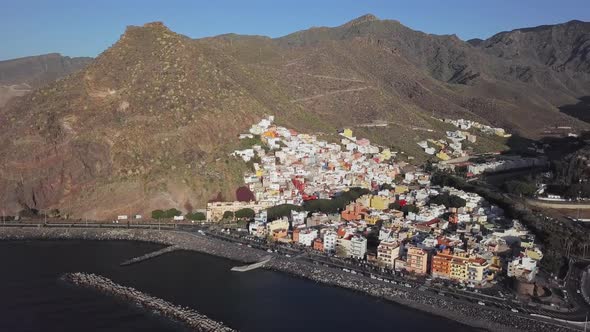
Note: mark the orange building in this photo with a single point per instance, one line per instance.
(441, 264)
(417, 261)
(318, 244)
(296, 235)
(279, 234)
(354, 211)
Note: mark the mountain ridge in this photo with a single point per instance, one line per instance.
(19, 76)
(151, 121)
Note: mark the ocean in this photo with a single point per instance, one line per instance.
(33, 298)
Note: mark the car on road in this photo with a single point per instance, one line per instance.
(481, 303)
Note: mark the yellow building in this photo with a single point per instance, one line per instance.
(443, 156)
(347, 132)
(371, 220)
(534, 253)
(437, 143)
(386, 154)
(459, 269)
(277, 225)
(379, 202)
(477, 270)
(401, 189)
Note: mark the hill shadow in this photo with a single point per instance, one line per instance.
(555, 147)
(580, 110)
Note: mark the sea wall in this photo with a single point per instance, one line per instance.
(183, 240)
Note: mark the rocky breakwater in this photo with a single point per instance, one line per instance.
(187, 316)
(473, 315)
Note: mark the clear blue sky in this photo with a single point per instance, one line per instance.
(87, 27)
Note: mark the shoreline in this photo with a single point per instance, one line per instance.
(480, 318)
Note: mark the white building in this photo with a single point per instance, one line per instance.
(387, 253)
(330, 239)
(307, 236)
(523, 268)
(298, 218)
(358, 247)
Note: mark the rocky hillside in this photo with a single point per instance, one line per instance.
(19, 76)
(151, 121)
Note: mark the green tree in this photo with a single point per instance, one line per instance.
(245, 213)
(228, 215)
(157, 214)
(520, 187)
(456, 201)
(395, 206)
(448, 200)
(279, 211)
(323, 205)
(198, 216)
(410, 208)
(171, 213)
(243, 224)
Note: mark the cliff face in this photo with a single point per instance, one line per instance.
(150, 122)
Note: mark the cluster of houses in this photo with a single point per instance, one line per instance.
(290, 167)
(452, 146)
(400, 225)
(468, 124)
(463, 244)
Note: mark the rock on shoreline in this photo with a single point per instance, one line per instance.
(187, 316)
(479, 317)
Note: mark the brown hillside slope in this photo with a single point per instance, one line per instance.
(150, 123)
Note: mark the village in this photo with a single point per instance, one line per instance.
(389, 215)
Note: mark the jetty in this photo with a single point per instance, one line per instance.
(150, 255)
(190, 317)
(252, 266)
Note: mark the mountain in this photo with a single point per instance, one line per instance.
(19, 76)
(151, 121)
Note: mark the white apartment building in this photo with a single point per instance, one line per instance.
(330, 240)
(523, 268)
(307, 236)
(387, 253)
(358, 247)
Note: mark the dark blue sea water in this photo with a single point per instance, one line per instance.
(32, 298)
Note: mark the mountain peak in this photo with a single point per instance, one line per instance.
(362, 19)
(147, 27)
(156, 24)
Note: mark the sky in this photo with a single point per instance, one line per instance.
(87, 27)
